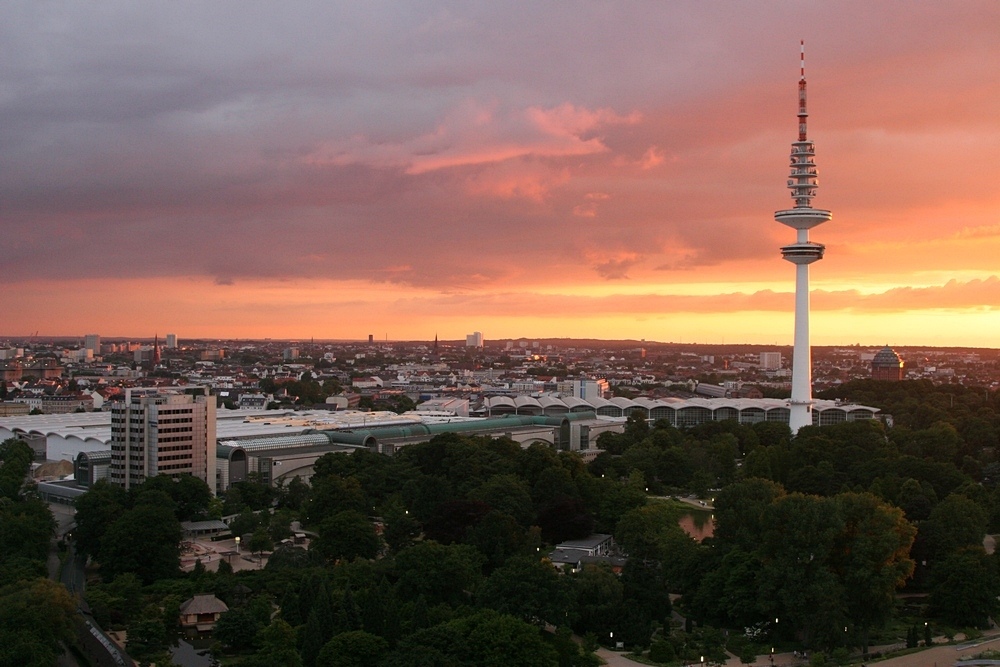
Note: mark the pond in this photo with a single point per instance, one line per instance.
(697, 523)
(192, 652)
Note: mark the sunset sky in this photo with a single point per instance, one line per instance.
(541, 169)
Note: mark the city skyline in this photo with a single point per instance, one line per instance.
(233, 170)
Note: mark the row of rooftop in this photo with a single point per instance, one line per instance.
(50, 367)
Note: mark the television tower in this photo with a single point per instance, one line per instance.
(802, 253)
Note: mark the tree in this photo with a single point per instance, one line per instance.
(247, 521)
(965, 586)
(147, 635)
(400, 527)
(440, 573)
(615, 500)
(15, 462)
(320, 625)
(25, 528)
(727, 593)
(956, 522)
(346, 535)
(236, 628)
(192, 496)
(484, 639)
(565, 519)
(35, 618)
(260, 542)
(528, 589)
(871, 558)
(331, 494)
(380, 612)
(644, 531)
(498, 537)
(353, 649)
(645, 587)
(452, 519)
(507, 493)
(739, 511)
(280, 526)
(275, 646)
(598, 593)
(255, 493)
(118, 601)
(144, 540)
(294, 494)
(797, 538)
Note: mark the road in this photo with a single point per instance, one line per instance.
(941, 655)
(64, 517)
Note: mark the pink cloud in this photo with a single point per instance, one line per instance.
(475, 133)
(954, 295)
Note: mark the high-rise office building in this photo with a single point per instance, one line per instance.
(474, 339)
(770, 361)
(171, 341)
(92, 342)
(159, 433)
(802, 217)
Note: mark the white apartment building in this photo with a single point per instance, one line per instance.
(474, 339)
(585, 389)
(770, 361)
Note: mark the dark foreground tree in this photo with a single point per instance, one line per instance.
(965, 586)
(485, 639)
(353, 649)
(347, 535)
(529, 590)
(144, 540)
(35, 617)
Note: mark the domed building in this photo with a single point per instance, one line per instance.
(887, 365)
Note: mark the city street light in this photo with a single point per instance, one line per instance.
(237, 544)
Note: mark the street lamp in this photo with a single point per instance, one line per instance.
(772, 655)
(237, 544)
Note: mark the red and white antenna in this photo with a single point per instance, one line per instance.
(802, 91)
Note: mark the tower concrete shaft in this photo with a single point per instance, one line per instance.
(803, 217)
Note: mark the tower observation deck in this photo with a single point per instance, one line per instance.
(803, 183)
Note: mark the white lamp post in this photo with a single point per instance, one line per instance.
(237, 544)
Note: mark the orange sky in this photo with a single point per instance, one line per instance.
(575, 170)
